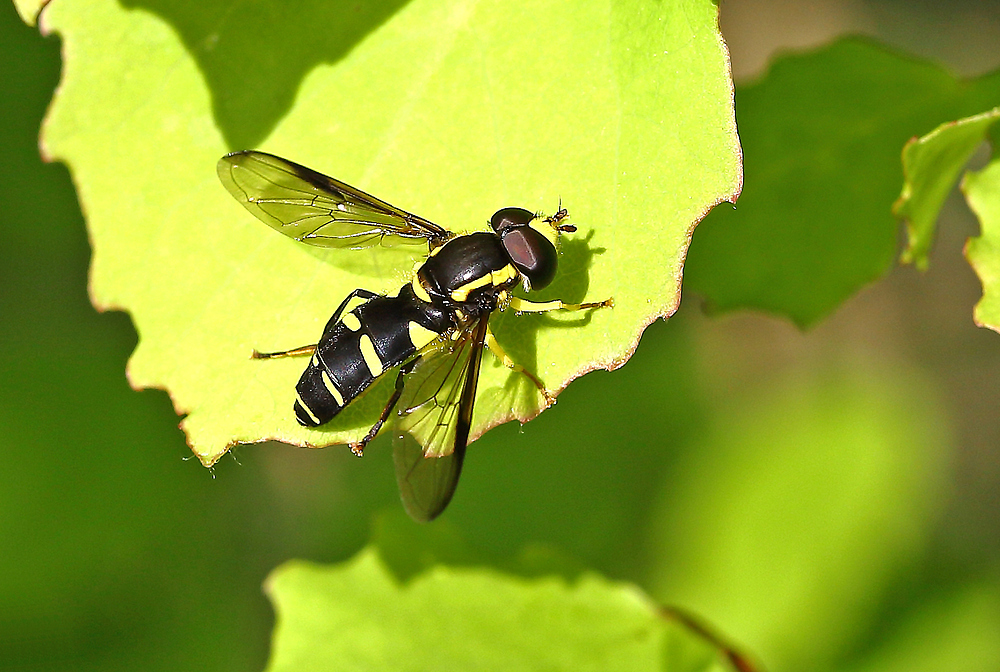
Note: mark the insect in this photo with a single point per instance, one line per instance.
(433, 329)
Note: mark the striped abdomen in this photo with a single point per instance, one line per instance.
(378, 335)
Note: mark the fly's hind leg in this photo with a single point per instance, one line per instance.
(358, 447)
(294, 352)
(310, 349)
(491, 343)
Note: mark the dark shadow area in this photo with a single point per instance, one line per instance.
(254, 55)
(572, 282)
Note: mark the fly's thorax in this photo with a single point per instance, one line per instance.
(468, 269)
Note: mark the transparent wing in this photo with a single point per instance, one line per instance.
(433, 421)
(426, 484)
(318, 210)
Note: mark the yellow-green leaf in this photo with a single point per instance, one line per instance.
(29, 9)
(449, 110)
(982, 190)
(931, 165)
(357, 616)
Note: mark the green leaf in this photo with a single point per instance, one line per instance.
(955, 631)
(931, 165)
(982, 190)
(803, 501)
(357, 616)
(449, 110)
(821, 137)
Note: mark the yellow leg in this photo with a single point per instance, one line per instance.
(491, 343)
(525, 306)
(304, 350)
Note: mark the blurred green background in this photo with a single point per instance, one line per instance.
(828, 500)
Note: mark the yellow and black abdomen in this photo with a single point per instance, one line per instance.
(359, 346)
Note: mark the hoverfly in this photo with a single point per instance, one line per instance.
(433, 329)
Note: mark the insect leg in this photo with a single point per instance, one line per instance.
(491, 343)
(304, 350)
(556, 220)
(525, 306)
(358, 447)
(310, 349)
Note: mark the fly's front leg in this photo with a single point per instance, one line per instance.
(525, 306)
(358, 447)
(491, 343)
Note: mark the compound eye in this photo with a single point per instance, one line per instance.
(505, 219)
(532, 254)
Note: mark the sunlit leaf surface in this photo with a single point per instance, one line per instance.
(357, 616)
(448, 110)
(28, 10)
(982, 189)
